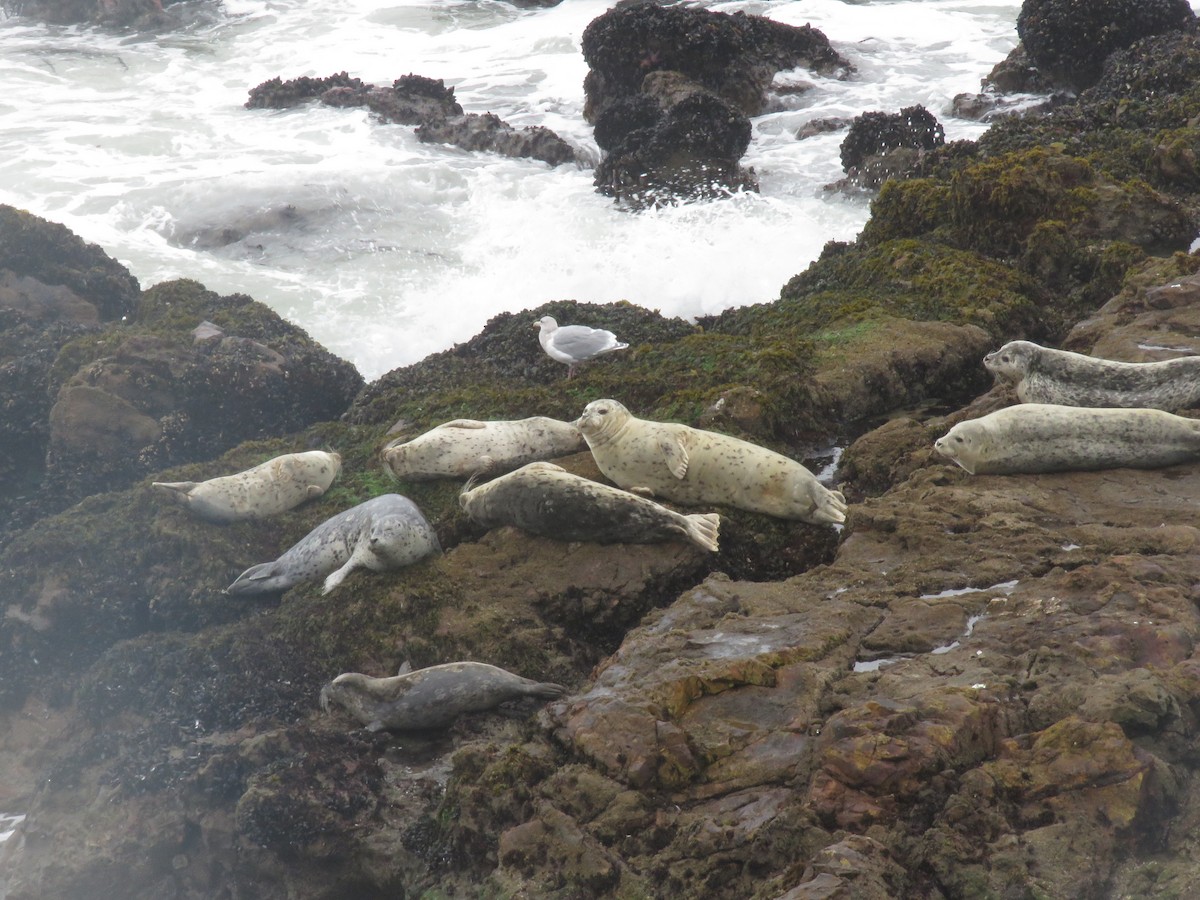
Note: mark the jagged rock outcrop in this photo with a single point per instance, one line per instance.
(670, 89)
(424, 102)
(1068, 42)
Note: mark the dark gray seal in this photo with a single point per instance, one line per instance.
(545, 499)
(1042, 437)
(429, 698)
(387, 532)
(1044, 375)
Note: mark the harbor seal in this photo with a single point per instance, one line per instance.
(270, 488)
(463, 447)
(689, 465)
(546, 499)
(1044, 437)
(1044, 375)
(386, 532)
(429, 698)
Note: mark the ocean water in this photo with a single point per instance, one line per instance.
(385, 249)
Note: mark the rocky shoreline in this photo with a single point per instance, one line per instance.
(982, 687)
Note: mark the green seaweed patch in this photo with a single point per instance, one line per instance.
(909, 279)
(179, 306)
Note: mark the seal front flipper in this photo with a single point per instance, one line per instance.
(676, 456)
(337, 577)
(465, 423)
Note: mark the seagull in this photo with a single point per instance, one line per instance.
(572, 344)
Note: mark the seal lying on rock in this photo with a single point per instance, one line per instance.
(387, 532)
(463, 447)
(1044, 375)
(429, 698)
(689, 465)
(1043, 437)
(545, 499)
(270, 488)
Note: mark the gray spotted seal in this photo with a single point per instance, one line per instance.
(268, 489)
(1045, 437)
(429, 698)
(545, 499)
(689, 465)
(1045, 375)
(386, 532)
(463, 447)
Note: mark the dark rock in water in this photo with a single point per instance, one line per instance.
(411, 100)
(690, 153)
(1069, 41)
(669, 89)
(735, 56)
(1017, 74)
(426, 103)
(625, 116)
(279, 94)
(879, 133)
(489, 132)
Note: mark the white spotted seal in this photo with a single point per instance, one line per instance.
(545, 499)
(463, 447)
(1045, 437)
(689, 465)
(429, 698)
(386, 532)
(268, 489)
(1045, 375)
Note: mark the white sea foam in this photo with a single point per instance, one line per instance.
(389, 249)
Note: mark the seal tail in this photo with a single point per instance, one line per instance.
(703, 530)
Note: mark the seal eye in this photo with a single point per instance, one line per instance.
(602, 411)
(958, 439)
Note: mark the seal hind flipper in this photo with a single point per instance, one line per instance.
(703, 530)
(546, 690)
(176, 490)
(249, 581)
